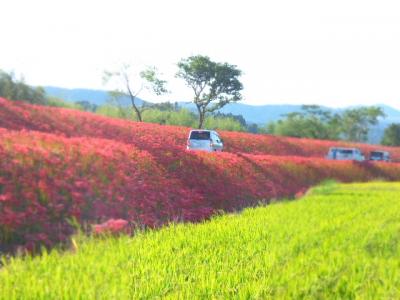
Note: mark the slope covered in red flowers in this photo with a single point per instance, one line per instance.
(73, 123)
(60, 165)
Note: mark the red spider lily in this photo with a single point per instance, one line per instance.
(113, 226)
(5, 197)
(59, 164)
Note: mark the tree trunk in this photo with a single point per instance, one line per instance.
(201, 121)
(138, 114)
(137, 111)
(201, 116)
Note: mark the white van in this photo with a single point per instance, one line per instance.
(379, 156)
(338, 153)
(205, 140)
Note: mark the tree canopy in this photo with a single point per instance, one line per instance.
(214, 84)
(391, 136)
(312, 122)
(13, 88)
(318, 123)
(356, 122)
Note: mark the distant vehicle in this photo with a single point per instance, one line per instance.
(338, 153)
(379, 156)
(205, 140)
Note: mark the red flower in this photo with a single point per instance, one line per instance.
(5, 197)
(57, 165)
(113, 226)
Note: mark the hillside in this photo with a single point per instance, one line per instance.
(19, 116)
(60, 164)
(340, 241)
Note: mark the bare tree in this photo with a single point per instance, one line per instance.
(126, 88)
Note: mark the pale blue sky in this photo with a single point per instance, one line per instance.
(334, 53)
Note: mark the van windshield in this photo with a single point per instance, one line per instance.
(200, 135)
(377, 154)
(345, 151)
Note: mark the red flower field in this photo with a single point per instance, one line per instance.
(60, 166)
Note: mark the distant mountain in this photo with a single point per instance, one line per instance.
(392, 114)
(258, 114)
(252, 113)
(262, 114)
(97, 97)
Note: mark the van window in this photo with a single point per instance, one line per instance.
(377, 154)
(200, 135)
(346, 151)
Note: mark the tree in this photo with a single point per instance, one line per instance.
(16, 89)
(150, 81)
(87, 106)
(356, 122)
(315, 122)
(391, 136)
(238, 118)
(166, 106)
(214, 84)
(312, 122)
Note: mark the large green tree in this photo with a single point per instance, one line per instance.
(356, 122)
(315, 122)
(214, 84)
(391, 136)
(311, 122)
(13, 88)
(125, 87)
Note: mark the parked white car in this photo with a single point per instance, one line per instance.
(338, 153)
(205, 140)
(379, 156)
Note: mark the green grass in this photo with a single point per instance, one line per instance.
(339, 242)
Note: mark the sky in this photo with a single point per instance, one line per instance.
(334, 53)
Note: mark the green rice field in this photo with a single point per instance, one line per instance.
(337, 242)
